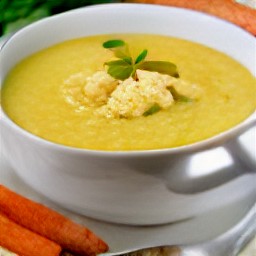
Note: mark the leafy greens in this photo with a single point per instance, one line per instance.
(126, 67)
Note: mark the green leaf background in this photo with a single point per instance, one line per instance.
(15, 14)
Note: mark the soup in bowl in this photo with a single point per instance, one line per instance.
(99, 104)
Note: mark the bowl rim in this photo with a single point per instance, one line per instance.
(210, 142)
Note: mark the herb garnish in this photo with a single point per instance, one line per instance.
(177, 96)
(152, 110)
(126, 67)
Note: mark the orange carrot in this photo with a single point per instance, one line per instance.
(24, 242)
(238, 14)
(50, 224)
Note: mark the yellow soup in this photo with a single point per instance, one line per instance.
(32, 95)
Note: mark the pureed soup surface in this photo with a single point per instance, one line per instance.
(32, 95)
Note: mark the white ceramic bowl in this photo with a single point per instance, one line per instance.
(122, 187)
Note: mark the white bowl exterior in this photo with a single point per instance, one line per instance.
(108, 187)
(111, 186)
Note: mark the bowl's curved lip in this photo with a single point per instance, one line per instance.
(193, 147)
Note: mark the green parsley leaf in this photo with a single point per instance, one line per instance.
(141, 56)
(122, 53)
(119, 69)
(177, 96)
(113, 43)
(127, 67)
(119, 48)
(128, 60)
(152, 110)
(163, 67)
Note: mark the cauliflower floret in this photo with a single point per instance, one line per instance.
(186, 88)
(98, 88)
(153, 86)
(113, 98)
(132, 98)
(72, 89)
(81, 89)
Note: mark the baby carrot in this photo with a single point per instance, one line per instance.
(238, 14)
(24, 242)
(50, 224)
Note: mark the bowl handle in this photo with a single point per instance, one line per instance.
(237, 151)
(182, 180)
